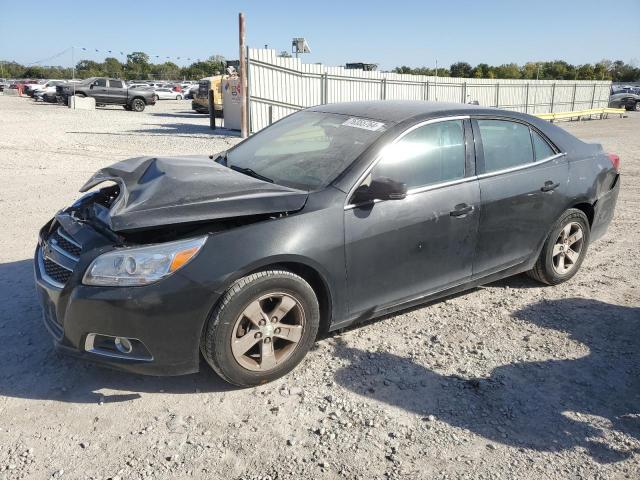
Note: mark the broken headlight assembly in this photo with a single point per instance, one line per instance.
(136, 266)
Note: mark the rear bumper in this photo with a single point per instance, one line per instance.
(604, 209)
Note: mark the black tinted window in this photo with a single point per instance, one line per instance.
(115, 83)
(541, 147)
(506, 144)
(431, 154)
(101, 82)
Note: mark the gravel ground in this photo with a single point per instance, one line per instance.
(512, 380)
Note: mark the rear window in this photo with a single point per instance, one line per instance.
(115, 83)
(506, 144)
(541, 147)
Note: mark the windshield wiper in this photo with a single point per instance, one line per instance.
(251, 173)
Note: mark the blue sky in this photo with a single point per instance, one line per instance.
(389, 33)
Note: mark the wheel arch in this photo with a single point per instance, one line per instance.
(303, 267)
(137, 97)
(588, 209)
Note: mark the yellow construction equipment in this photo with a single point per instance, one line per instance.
(200, 102)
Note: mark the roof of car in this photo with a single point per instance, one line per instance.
(400, 110)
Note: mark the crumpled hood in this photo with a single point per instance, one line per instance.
(157, 191)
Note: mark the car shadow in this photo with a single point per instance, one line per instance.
(171, 130)
(31, 368)
(192, 114)
(552, 405)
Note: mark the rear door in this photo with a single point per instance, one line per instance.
(523, 189)
(399, 250)
(117, 92)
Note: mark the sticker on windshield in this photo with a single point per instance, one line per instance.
(364, 124)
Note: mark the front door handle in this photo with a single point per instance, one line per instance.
(461, 210)
(549, 186)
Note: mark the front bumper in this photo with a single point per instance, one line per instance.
(166, 317)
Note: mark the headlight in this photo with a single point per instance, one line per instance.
(141, 265)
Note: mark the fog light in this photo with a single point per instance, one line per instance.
(123, 345)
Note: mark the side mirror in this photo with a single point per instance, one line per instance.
(382, 188)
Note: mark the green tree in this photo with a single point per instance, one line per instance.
(460, 69)
(508, 70)
(138, 65)
(113, 68)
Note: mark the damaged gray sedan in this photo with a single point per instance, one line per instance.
(333, 215)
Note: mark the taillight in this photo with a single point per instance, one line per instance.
(615, 161)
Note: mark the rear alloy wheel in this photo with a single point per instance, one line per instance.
(262, 328)
(178, 97)
(137, 105)
(564, 250)
(636, 106)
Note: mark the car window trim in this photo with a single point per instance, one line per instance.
(377, 159)
(477, 138)
(451, 183)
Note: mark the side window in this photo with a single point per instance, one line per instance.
(506, 144)
(431, 154)
(115, 83)
(541, 147)
(101, 82)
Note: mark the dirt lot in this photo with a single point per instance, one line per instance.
(512, 380)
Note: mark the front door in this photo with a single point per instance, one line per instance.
(398, 250)
(523, 184)
(100, 91)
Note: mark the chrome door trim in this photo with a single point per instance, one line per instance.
(520, 167)
(450, 183)
(395, 140)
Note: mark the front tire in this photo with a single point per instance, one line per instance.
(564, 249)
(262, 327)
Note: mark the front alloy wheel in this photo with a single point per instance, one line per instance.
(261, 328)
(267, 332)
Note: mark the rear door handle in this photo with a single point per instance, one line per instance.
(461, 210)
(549, 186)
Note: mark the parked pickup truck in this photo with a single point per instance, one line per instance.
(110, 91)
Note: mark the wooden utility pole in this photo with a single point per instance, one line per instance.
(244, 128)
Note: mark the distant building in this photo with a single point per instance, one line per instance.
(362, 66)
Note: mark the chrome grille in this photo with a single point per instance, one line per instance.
(59, 255)
(56, 272)
(62, 239)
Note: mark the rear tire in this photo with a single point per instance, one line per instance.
(564, 249)
(261, 328)
(137, 105)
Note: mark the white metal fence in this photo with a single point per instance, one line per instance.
(279, 86)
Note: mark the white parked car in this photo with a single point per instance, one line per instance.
(167, 94)
(139, 85)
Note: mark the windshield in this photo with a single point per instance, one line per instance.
(306, 150)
